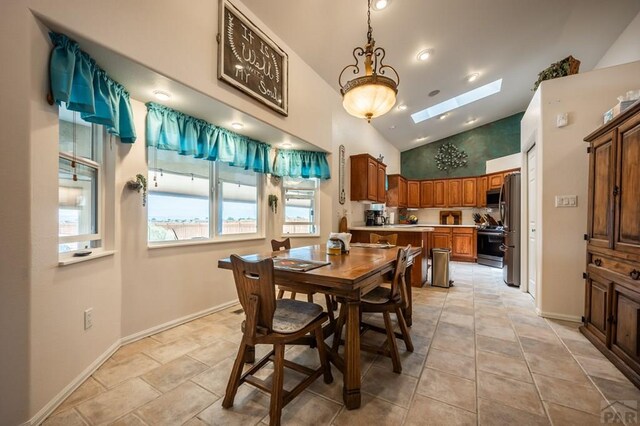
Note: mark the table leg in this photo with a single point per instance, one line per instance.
(408, 311)
(351, 387)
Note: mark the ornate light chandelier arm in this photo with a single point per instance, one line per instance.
(358, 51)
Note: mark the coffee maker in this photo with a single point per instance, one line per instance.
(374, 217)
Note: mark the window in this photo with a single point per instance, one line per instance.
(79, 183)
(192, 199)
(300, 200)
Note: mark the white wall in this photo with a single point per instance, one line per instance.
(507, 162)
(625, 49)
(563, 170)
(41, 304)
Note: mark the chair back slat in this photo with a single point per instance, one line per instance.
(398, 284)
(280, 245)
(256, 278)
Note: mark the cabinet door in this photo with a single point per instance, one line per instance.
(624, 328)
(601, 185)
(402, 192)
(426, 193)
(413, 193)
(382, 183)
(627, 229)
(454, 193)
(481, 195)
(462, 245)
(469, 192)
(440, 193)
(372, 180)
(441, 240)
(598, 306)
(495, 181)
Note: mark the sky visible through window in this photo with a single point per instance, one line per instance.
(171, 208)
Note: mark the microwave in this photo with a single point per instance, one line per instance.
(493, 198)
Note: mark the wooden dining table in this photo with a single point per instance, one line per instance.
(348, 277)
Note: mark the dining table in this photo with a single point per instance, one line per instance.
(348, 277)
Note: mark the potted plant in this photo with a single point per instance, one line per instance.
(140, 183)
(563, 68)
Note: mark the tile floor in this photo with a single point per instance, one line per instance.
(482, 356)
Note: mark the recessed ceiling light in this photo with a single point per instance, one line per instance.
(380, 4)
(392, 127)
(162, 95)
(458, 101)
(470, 121)
(422, 138)
(443, 116)
(473, 77)
(402, 107)
(423, 55)
(285, 145)
(237, 125)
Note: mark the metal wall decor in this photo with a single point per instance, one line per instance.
(341, 160)
(250, 61)
(449, 157)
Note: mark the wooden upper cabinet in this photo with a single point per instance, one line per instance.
(365, 178)
(481, 191)
(602, 178)
(402, 192)
(627, 189)
(413, 193)
(454, 193)
(397, 191)
(469, 192)
(426, 193)
(440, 193)
(382, 183)
(495, 180)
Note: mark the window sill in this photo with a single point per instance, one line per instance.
(73, 260)
(300, 235)
(187, 243)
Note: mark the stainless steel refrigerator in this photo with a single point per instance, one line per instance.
(510, 217)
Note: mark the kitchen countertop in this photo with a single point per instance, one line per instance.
(418, 227)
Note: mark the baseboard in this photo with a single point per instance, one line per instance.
(173, 323)
(51, 406)
(563, 317)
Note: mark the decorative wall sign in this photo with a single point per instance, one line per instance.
(250, 61)
(449, 157)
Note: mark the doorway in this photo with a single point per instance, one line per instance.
(531, 221)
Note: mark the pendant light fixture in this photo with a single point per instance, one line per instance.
(372, 94)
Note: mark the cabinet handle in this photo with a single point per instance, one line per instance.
(635, 274)
(598, 262)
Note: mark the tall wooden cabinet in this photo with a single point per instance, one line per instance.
(612, 305)
(368, 179)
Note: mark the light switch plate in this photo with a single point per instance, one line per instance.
(562, 119)
(566, 201)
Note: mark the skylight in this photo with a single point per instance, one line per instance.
(458, 101)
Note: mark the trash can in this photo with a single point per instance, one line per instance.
(440, 267)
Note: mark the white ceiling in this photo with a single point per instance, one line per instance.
(508, 39)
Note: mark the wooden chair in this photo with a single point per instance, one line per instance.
(384, 300)
(286, 245)
(381, 239)
(273, 322)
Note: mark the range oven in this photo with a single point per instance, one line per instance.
(490, 241)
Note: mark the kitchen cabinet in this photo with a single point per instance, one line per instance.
(469, 192)
(454, 193)
(481, 191)
(495, 180)
(440, 193)
(612, 306)
(426, 193)
(413, 193)
(367, 180)
(382, 183)
(441, 238)
(397, 191)
(462, 242)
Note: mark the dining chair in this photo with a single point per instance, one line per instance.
(286, 245)
(273, 322)
(381, 239)
(384, 300)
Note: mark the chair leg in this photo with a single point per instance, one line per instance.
(234, 378)
(405, 331)
(337, 335)
(310, 297)
(280, 294)
(327, 299)
(324, 363)
(293, 295)
(391, 341)
(277, 390)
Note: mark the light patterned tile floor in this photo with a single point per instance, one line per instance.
(482, 357)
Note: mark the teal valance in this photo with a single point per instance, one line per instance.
(305, 164)
(83, 86)
(174, 131)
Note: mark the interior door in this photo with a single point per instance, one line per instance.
(531, 219)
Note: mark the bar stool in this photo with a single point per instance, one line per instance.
(384, 300)
(277, 323)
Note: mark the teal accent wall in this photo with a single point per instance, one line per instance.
(483, 143)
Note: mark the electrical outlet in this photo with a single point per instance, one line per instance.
(88, 318)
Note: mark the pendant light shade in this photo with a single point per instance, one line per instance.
(372, 94)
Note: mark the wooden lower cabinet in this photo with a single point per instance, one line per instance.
(624, 327)
(462, 241)
(597, 307)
